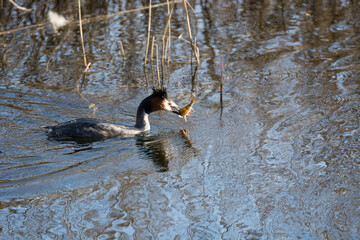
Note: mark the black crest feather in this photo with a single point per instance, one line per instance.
(161, 92)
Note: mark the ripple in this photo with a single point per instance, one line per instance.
(281, 162)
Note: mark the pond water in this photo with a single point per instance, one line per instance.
(278, 160)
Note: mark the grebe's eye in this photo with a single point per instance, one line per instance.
(169, 104)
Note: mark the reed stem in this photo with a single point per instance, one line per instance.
(193, 46)
(164, 44)
(163, 57)
(151, 59)
(18, 6)
(157, 64)
(81, 34)
(87, 68)
(169, 38)
(78, 88)
(187, 19)
(148, 38)
(221, 87)
(152, 50)
(122, 50)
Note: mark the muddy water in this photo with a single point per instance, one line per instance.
(280, 161)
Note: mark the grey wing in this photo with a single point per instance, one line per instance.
(78, 128)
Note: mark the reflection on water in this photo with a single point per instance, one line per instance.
(282, 162)
(156, 150)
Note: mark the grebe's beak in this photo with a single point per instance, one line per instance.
(174, 107)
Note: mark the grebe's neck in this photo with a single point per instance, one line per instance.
(142, 119)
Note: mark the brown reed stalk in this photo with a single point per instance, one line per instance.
(18, 6)
(163, 57)
(167, 44)
(221, 87)
(157, 65)
(152, 50)
(193, 80)
(146, 78)
(197, 52)
(87, 68)
(122, 50)
(193, 46)
(169, 38)
(167, 52)
(81, 34)
(164, 45)
(78, 87)
(168, 21)
(151, 59)
(148, 38)
(187, 19)
(221, 75)
(38, 25)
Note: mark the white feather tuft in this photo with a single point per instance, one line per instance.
(57, 20)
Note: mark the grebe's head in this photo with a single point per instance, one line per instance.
(159, 100)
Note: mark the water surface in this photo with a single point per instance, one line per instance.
(280, 160)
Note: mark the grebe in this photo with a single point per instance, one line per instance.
(85, 128)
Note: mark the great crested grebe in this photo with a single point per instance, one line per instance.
(97, 128)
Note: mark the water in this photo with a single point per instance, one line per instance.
(280, 161)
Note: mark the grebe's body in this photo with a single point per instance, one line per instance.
(96, 128)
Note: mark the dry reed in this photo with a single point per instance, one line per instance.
(81, 34)
(163, 56)
(221, 87)
(165, 45)
(78, 87)
(148, 37)
(151, 59)
(18, 6)
(169, 37)
(193, 45)
(157, 64)
(87, 68)
(187, 19)
(38, 25)
(122, 50)
(152, 50)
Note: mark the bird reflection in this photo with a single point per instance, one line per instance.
(184, 133)
(158, 147)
